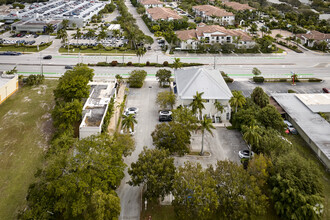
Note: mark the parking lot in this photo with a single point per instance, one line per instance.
(26, 39)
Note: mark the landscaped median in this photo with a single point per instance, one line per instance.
(24, 48)
(164, 64)
(97, 50)
(261, 79)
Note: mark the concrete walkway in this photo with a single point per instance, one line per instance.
(116, 115)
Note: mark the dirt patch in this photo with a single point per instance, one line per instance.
(47, 128)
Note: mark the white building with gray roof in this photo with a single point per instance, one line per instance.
(96, 108)
(302, 111)
(213, 86)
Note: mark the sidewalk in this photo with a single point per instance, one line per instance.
(115, 116)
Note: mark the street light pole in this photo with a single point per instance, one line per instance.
(214, 61)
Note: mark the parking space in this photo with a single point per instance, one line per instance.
(223, 145)
(26, 39)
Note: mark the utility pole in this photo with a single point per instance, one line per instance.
(214, 62)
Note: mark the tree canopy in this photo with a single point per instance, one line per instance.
(260, 97)
(73, 84)
(80, 184)
(165, 99)
(171, 136)
(163, 76)
(136, 78)
(154, 168)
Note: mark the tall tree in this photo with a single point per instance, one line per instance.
(66, 115)
(163, 76)
(166, 98)
(197, 104)
(219, 106)
(177, 64)
(80, 184)
(90, 34)
(74, 84)
(78, 34)
(269, 117)
(136, 78)
(171, 136)
(49, 29)
(65, 23)
(154, 168)
(260, 97)
(238, 193)
(128, 123)
(251, 134)
(237, 100)
(185, 117)
(140, 52)
(205, 124)
(102, 34)
(297, 190)
(194, 192)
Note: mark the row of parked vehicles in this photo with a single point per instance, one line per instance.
(4, 41)
(25, 35)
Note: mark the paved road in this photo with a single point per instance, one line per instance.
(144, 99)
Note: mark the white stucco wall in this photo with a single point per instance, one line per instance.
(8, 88)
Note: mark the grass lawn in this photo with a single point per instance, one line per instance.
(90, 50)
(23, 49)
(25, 127)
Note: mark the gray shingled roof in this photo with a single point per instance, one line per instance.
(210, 82)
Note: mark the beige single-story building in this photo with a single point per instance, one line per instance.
(8, 86)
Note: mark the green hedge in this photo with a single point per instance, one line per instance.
(108, 115)
(258, 79)
(165, 64)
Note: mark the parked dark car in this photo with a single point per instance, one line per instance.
(68, 67)
(48, 57)
(325, 90)
(11, 53)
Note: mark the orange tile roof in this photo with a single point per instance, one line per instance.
(163, 13)
(213, 11)
(315, 35)
(151, 2)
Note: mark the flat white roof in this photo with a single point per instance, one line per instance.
(313, 125)
(114, 27)
(319, 102)
(4, 79)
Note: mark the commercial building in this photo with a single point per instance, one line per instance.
(212, 13)
(214, 88)
(302, 111)
(96, 108)
(213, 34)
(78, 12)
(8, 86)
(33, 26)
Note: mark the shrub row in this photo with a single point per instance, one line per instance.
(226, 77)
(108, 115)
(294, 47)
(165, 64)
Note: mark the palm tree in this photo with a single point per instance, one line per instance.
(205, 125)
(237, 100)
(251, 135)
(49, 29)
(236, 40)
(90, 34)
(263, 30)
(197, 104)
(218, 106)
(128, 123)
(78, 34)
(140, 52)
(62, 34)
(65, 23)
(101, 35)
(177, 64)
(116, 33)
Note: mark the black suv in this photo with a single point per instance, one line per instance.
(165, 118)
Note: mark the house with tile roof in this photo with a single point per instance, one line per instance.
(151, 3)
(238, 6)
(211, 34)
(165, 14)
(314, 36)
(211, 83)
(212, 13)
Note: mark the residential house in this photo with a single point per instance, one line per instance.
(314, 36)
(8, 86)
(211, 84)
(212, 13)
(210, 34)
(96, 107)
(238, 6)
(165, 14)
(151, 3)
